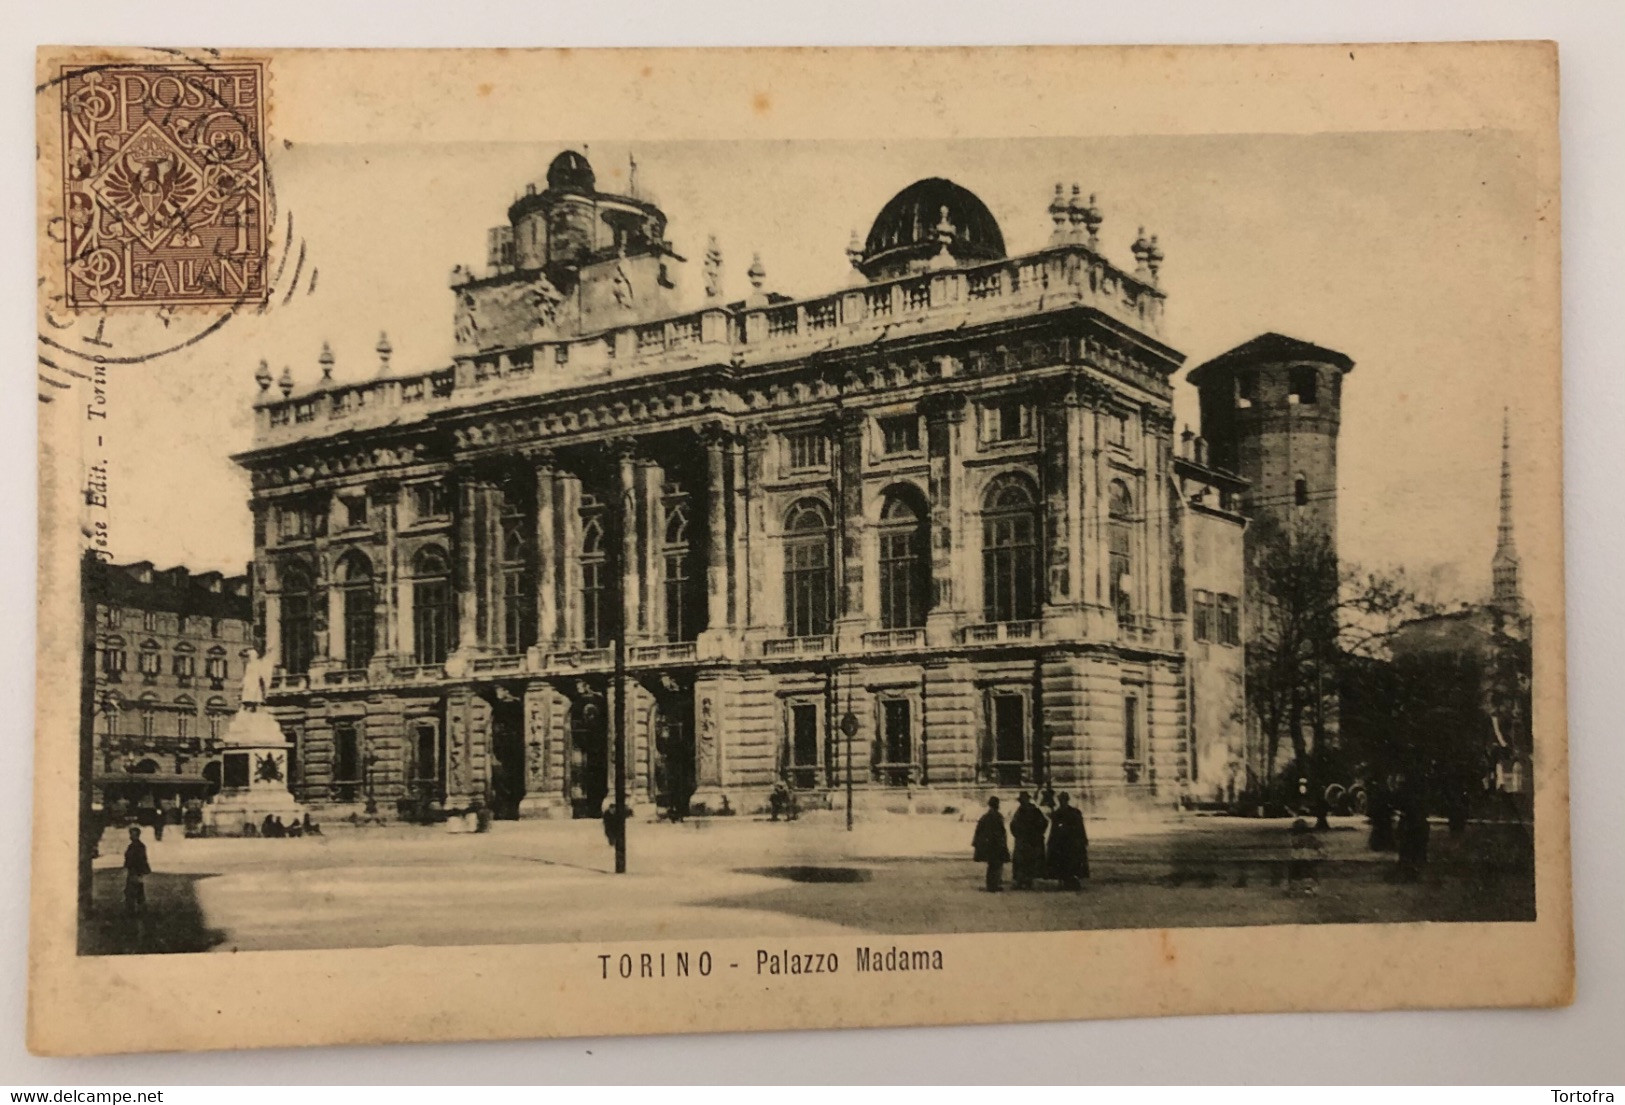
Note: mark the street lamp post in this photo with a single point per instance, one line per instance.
(849, 729)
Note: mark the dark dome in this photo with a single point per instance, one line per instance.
(570, 172)
(907, 225)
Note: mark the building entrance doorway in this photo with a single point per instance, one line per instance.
(674, 775)
(507, 755)
(587, 781)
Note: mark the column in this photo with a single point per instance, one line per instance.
(944, 415)
(546, 556)
(624, 507)
(756, 525)
(717, 493)
(386, 643)
(273, 612)
(849, 525)
(650, 512)
(468, 599)
(489, 572)
(740, 568)
(1056, 412)
(567, 506)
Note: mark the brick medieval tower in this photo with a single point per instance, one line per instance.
(1271, 410)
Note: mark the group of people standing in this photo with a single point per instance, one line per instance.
(1066, 858)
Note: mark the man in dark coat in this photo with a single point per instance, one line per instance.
(991, 845)
(1027, 826)
(1068, 845)
(136, 870)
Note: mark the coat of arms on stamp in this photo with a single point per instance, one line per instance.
(165, 197)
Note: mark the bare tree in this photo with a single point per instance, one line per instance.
(1307, 614)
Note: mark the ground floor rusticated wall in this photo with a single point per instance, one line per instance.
(1110, 726)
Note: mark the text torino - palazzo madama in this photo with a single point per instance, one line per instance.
(948, 500)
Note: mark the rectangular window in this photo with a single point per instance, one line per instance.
(149, 620)
(802, 762)
(1007, 722)
(428, 500)
(900, 434)
(1117, 428)
(151, 662)
(561, 353)
(807, 449)
(1246, 389)
(112, 617)
(113, 663)
(521, 361)
(346, 762)
(355, 511)
(1229, 631)
(183, 725)
(1303, 386)
(215, 666)
(425, 753)
(894, 751)
(184, 666)
(1009, 420)
(1131, 729)
(1203, 628)
(214, 627)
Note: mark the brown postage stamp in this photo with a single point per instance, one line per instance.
(163, 184)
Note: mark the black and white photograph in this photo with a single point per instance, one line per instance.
(764, 557)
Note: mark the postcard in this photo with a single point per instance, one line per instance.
(542, 542)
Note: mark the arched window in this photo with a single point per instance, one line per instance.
(431, 606)
(684, 603)
(1010, 550)
(358, 598)
(518, 579)
(809, 572)
(905, 563)
(596, 593)
(1120, 510)
(298, 632)
(1300, 492)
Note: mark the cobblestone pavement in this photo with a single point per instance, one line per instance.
(550, 881)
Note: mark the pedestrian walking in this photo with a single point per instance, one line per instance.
(991, 846)
(1068, 844)
(1027, 826)
(136, 870)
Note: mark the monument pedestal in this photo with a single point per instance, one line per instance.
(254, 776)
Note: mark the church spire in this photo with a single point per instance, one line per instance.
(1504, 565)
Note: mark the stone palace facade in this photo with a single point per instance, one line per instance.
(945, 504)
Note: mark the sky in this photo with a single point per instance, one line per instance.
(1410, 252)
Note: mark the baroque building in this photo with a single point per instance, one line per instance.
(930, 532)
(168, 648)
